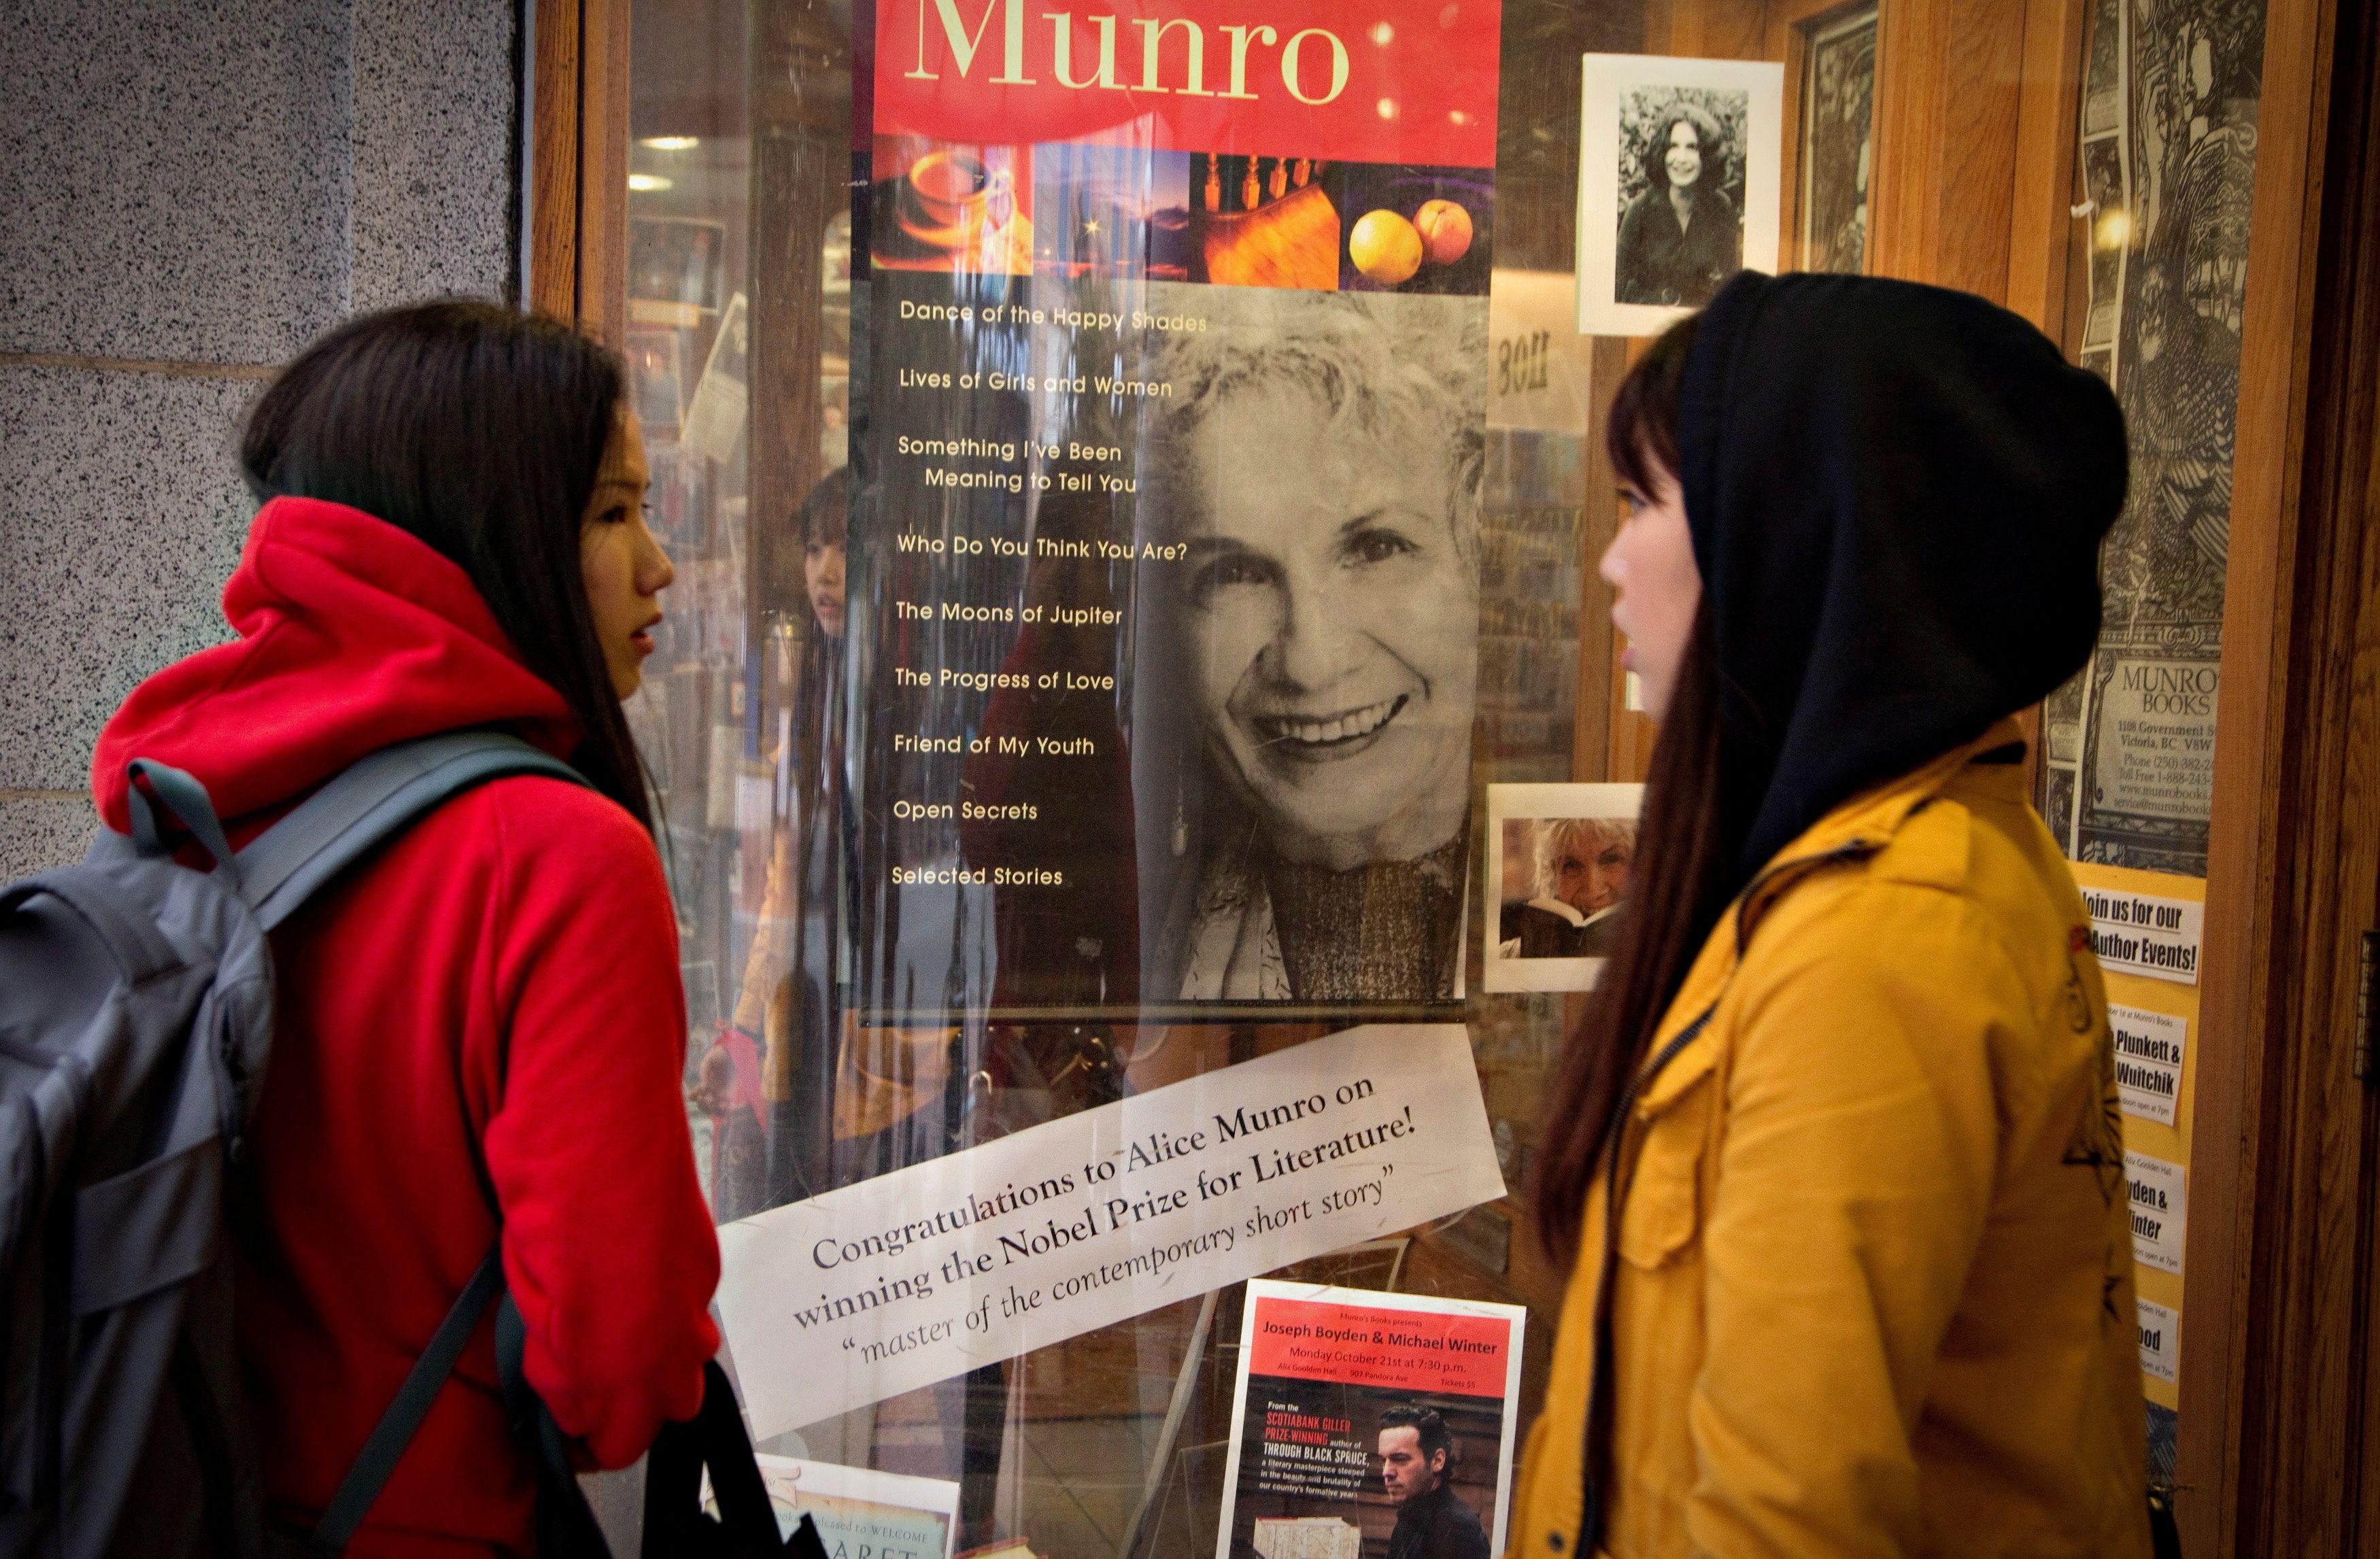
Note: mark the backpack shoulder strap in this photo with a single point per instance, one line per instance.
(395, 1432)
(370, 803)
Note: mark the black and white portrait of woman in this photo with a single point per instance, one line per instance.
(1681, 235)
(1318, 628)
(1680, 184)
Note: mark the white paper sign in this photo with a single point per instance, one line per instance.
(859, 1513)
(1540, 371)
(2140, 934)
(2160, 1209)
(2160, 1341)
(923, 1275)
(2149, 1048)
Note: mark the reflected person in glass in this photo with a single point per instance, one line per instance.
(768, 1083)
(1324, 474)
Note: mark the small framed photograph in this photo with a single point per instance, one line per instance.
(1680, 184)
(1838, 141)
(1559, 858)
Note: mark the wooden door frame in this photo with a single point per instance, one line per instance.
(2289, 1270)
(578, 228)
(2248, 957)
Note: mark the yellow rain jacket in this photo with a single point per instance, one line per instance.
(1872, 1284)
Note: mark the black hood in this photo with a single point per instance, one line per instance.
(1896, 494)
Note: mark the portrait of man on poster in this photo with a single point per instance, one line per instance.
(1416, 1457)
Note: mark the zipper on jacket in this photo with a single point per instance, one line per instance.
(1615, 1194)
(1591, 1508)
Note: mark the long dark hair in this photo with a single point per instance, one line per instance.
(1679, 884)
(478, 430)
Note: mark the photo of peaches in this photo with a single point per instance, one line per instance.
(1416, 229)
(1385, 247)
(1445, 229)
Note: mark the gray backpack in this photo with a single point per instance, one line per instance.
(135, 1017)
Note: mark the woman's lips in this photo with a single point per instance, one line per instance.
(1326, 737)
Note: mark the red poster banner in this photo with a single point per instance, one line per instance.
(1406, 81)
(1364, 1345)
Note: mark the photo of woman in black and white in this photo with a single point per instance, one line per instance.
(1682, 235)
(1321, 463)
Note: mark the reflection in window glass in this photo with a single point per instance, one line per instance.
(1216, 629)
(2164, 178)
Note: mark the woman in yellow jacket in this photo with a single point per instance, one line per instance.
(1837, 1154)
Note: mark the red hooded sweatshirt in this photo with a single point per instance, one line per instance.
(489, 1008)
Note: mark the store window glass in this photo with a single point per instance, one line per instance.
(1146, 778)
(2165, 167)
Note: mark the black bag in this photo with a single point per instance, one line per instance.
(745, 1528)
(677, 1525)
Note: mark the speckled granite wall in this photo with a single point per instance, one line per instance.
(193, 189)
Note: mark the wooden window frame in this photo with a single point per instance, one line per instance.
(2010, 69)
(578, 164)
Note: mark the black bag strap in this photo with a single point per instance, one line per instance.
(365, 806)
(395, 1432)
(185, 800)
(566, 1527)
(715, 1437)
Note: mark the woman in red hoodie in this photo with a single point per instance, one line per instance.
(481, 1030)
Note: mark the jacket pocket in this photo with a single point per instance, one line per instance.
(1663, 1213)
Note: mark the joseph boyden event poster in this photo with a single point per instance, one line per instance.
(1365, 1424)
(1166, 529)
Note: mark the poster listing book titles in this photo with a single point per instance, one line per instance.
(1365, 1424)
(1166, 545)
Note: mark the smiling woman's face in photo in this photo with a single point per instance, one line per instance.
(1594, 875)
(1684, 158)
(1333, 628)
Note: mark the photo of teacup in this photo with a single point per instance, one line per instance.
(952, 189)
(941, 206)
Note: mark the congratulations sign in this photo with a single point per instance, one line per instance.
(925, 1274)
